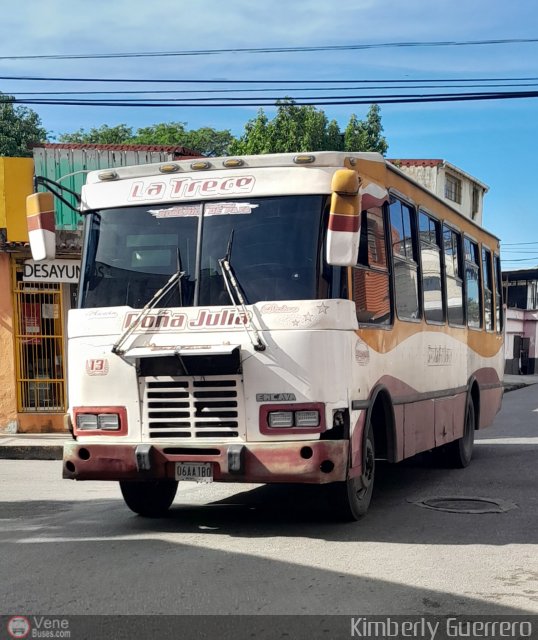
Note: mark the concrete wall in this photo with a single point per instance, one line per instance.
(8, 399)
(522, 323)
(433, 177)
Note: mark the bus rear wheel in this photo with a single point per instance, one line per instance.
(150, 499)
(350, 500)
(458, 453)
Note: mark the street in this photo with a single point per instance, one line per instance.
(74, 548)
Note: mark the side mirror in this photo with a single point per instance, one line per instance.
(41, 225)
(344, 220)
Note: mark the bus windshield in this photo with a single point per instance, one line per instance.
(131, 252)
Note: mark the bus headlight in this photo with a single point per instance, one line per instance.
(95, 420)
(281, 419)
(307, 418)
(86, 421)
(108, 421)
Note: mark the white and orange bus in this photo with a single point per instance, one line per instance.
(278, 318)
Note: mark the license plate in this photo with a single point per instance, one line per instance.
(194, 471)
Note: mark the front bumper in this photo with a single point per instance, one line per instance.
(314, 462)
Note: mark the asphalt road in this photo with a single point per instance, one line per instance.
(74, 548)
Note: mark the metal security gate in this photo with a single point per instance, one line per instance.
(39, 345)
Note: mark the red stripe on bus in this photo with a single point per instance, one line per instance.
(343, 223)
(44, 221)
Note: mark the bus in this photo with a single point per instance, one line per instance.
(282, 318)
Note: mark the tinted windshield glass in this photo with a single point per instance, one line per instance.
(132, 251)
(274, 252)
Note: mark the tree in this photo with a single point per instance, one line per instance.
(306, 128)
(206, 140)
(165, 133)
(20, 128)
(255, 138)
(120, 134)
(365, 135)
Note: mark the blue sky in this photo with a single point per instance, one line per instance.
(495, 140)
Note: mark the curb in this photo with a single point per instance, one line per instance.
(31, 452)
(514, 387)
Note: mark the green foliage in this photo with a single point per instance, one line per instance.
(365, 135)
(120, 134)
(19, 129)
(293, 129)
(206, 140)
(305, 128)
(165, 133)
(255, 139)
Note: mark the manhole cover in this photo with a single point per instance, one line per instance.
(465, 504)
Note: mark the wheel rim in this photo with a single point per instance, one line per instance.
(365, 480)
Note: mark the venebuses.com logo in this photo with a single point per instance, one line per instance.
(21, 627)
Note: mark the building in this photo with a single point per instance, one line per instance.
(520, 289)
(37, 296)
(463, 192)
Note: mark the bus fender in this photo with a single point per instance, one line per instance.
(379, 400)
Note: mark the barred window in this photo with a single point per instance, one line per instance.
(453, 188)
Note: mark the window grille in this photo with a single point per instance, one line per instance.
(39, 345)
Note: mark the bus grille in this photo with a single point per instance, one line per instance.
(209, 408)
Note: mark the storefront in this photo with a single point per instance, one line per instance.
(34, 300)
(42, 295)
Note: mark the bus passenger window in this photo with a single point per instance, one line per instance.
(489, 308)
(453, 276)
(430, 255)
(498, 295)
(371, 291)
(404, 260)
(472, 283)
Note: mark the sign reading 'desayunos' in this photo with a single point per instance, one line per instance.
(51, 271)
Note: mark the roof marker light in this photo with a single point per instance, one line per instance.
(107, 175)
(233, 162)
(200, 166)
(169, 168)
(304, 159)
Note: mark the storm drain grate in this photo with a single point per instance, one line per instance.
(465, 504)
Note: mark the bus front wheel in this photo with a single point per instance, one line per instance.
(350, 500)
(458, 453)
(150, 499)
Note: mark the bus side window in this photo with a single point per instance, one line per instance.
(489, 309)
(371, 288)
(453, 276)
(498, 294)
(430, 255)
(472, 284)
(405, 262)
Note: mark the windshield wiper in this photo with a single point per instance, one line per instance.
(151, 304)
(230, 281)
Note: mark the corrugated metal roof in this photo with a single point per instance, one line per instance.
(175, 149)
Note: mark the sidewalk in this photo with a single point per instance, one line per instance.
(49, 446)
(32, 446)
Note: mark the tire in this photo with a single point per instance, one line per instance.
(458, 453)
(150, 499)
(349, 500)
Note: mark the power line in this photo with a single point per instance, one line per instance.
(260, 90)
(348, 100)
(257, 50)
(296, 99)
(517, 244)
(263, 82)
